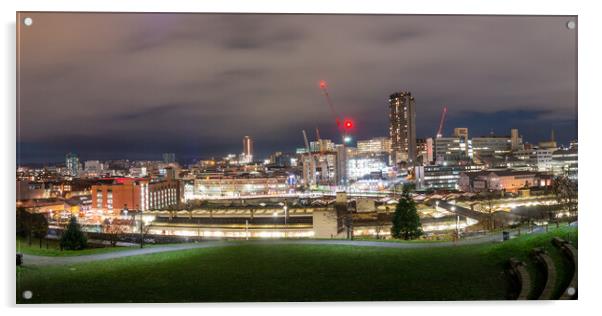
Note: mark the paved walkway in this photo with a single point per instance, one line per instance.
(32, 260)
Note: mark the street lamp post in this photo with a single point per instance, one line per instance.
(141, 230)
(285, 207)
(458, 227)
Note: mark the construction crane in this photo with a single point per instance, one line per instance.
(440, 131)
(324, 88)
(347, 124)
(312, 163)
(306, 142)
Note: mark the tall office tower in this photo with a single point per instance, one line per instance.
(72, 163)
(515, 144)
(247, 149)
(169, 157)
(402, 128)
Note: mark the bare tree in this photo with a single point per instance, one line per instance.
(189, 207)
(565, 191)
(114, 228)
(173, 211)
(487, 206)
(381, 220)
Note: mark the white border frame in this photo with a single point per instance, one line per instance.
(589, 17)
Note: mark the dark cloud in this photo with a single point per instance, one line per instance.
(116, 85)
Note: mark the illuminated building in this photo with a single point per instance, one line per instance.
(544, 159)
(502, 180)
(169, 157)
(247, 150)
(341, 173)
(461, 132)
(374, 145)
(565, 162)
(93, 168)
(138, 172)
(402, 127)
(441, 177)
(114, 195)
(452, 149)
(320, 168)
(281, 159)
(421, 150)
(322, 145)
(236, 187)
(367, 165)
(429, 150)
(72, 164)
(166, 193)
(522, 160)
(515, 140)
(491, 145)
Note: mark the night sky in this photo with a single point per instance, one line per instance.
(110, 86)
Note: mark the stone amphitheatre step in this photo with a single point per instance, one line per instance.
(519, 271)
(570, 293)
(545, 261)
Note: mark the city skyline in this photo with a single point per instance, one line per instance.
(157, 83)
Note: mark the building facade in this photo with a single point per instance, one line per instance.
(72, 164)
(375, 145)
(491, 145)
(502, 180)
(565, 162)
(320, 168)
(402, 127)
(452, 149)
(247, 150)
(441, 177)
(236, 187)
(164, 194)
(169, 157)
(367, 165)
(114, 195)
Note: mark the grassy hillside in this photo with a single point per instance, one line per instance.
(263, 272)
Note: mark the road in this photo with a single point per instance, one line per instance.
(32, 260)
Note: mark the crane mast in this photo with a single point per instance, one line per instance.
(324, 88)
(443, 114)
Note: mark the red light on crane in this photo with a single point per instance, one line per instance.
(348, 124)
(322, 84)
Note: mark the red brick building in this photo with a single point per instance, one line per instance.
(116, 194)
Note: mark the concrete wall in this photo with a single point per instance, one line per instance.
(325, 223)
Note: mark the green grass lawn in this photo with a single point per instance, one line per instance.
(51, 248)
(263, 272)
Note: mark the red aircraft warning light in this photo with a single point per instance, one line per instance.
(348, 124)
(322, 84)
